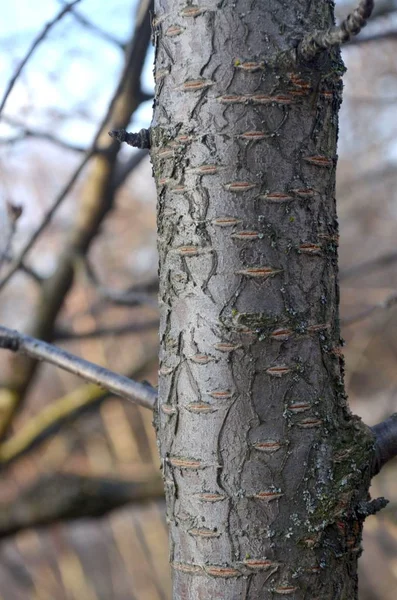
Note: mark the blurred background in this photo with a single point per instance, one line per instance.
(81, 509)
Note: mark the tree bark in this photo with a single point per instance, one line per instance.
(265, 468)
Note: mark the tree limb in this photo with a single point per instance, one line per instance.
(381, 262)
(62, 496)
(119, 330)
(130, 297)
(31, 50)
(318, 41)
(390, 301)
(385, 442)
(142, 394)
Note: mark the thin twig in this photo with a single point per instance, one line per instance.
(108, 37)
(27, 132)
(119, 385)
(17, 262)
(316, 42)
(130, 297)
(31, 50)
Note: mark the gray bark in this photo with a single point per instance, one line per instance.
(266, 470)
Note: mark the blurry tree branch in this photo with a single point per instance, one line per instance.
(374, 37)
(381, 262)
(124, 169)
(17, 262)
(27, 132)
(8, 218)
(62, 333)
(88, 24)
(385, 305)
(67, 8)
(97, 199)
(130, 297)
(27, 270)
(65, 409)
(65, 495)
(120, 385)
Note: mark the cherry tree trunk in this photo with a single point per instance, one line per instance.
(266, 471)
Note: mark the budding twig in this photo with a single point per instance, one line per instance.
(318, 41)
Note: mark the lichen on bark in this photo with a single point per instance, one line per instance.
(264, 465)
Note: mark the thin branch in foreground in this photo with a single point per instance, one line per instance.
(31, 50)
(385, 443)
(318, 41)
(385, 305)
(119, 385)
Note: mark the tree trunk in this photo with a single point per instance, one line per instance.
(266, 470)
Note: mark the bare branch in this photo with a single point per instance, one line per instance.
(119, 330)
(62, 496)
(124, 169)
(386, 304)
(8, 217)
(119, 385)
(381, 262)
(318, 41)
(130, 297)
(27, 132)
(375, 37)
(385, 442)
(108, 37)
(33, 47)
(17, 262)
(27, 270)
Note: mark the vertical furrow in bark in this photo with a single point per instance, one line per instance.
(263, 464)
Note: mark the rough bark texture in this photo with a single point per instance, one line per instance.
(266, 471)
